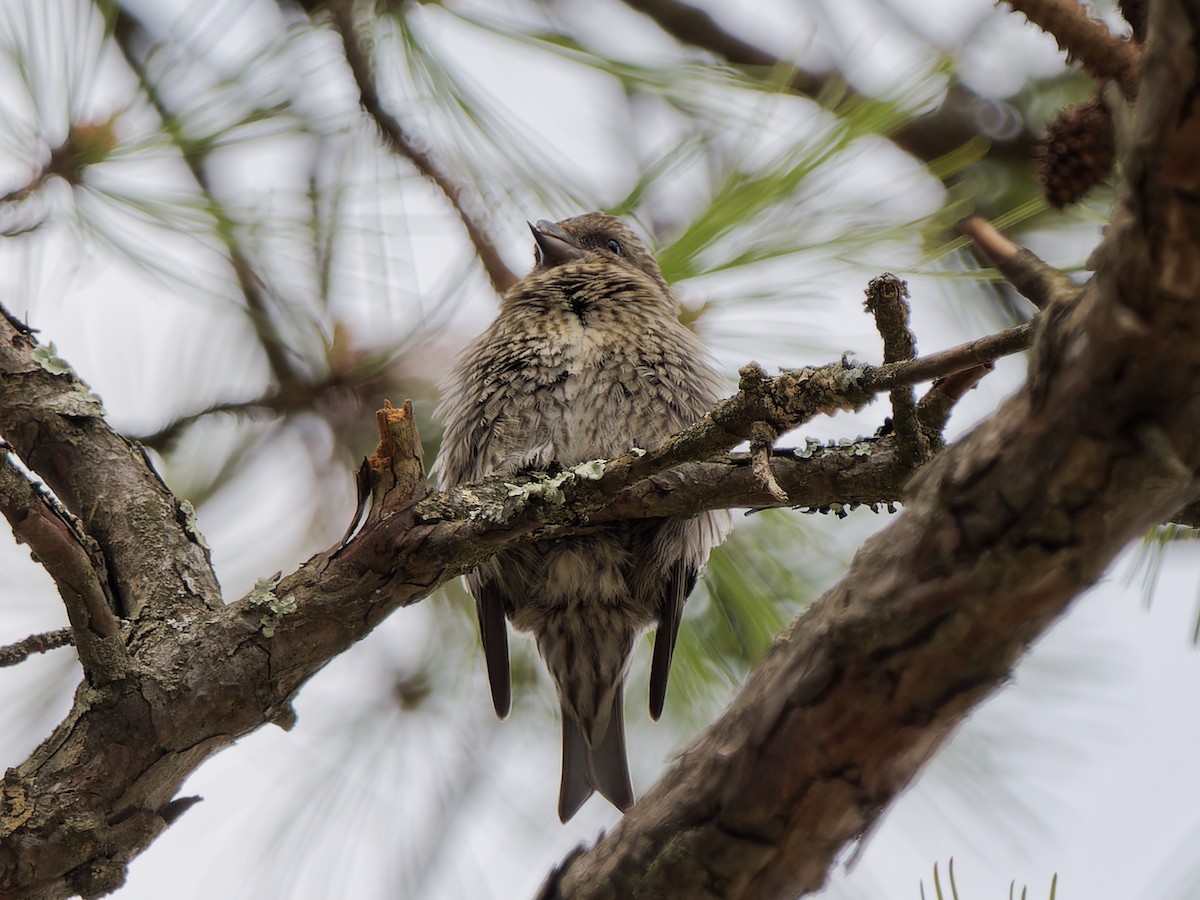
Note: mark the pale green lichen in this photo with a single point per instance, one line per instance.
(861, 446)
(544, 487)
(593, 469)
(548, 488)
(189, 523)
(80, 401)
(263, 590)
(476, 504)
(46, 356)
(263, 594)
(848, 377)
(809, 450)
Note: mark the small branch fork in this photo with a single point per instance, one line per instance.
(887, 301)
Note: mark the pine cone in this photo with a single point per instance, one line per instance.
(1077, 152)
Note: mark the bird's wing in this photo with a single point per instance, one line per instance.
(493, 632)
(681, 578)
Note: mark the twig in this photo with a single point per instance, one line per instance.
(280, 401)
(271, 402)
(865, 473)
(1034, 279)
(762, 439)
(12, 654)
(943, 395)
(501, 276)
(979, 352)
(887, 301)
(1088, 40)
(395, 470)
(58, 546)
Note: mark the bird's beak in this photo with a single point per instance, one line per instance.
(554, 245)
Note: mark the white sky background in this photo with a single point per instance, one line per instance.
(1082, 766)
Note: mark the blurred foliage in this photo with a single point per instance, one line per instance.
(1147, 564)
(752, 588)
(953, 895)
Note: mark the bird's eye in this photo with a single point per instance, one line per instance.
(615, 246)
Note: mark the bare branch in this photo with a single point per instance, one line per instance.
(56, 544)
(939, 401)
(1088, 40)
(12, 654)
(1038, 282)
(979, 352)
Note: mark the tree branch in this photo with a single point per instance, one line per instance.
(1036, 281)
(12, 654)
(1088, 40)
(58, 546)
(55, 424)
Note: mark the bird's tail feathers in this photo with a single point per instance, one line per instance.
(602, 767)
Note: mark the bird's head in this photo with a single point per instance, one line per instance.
(592, 237)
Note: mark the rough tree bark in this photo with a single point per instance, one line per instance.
(1000, 532)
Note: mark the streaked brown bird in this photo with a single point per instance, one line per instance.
(586, 359)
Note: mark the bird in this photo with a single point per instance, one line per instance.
(585, 359)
